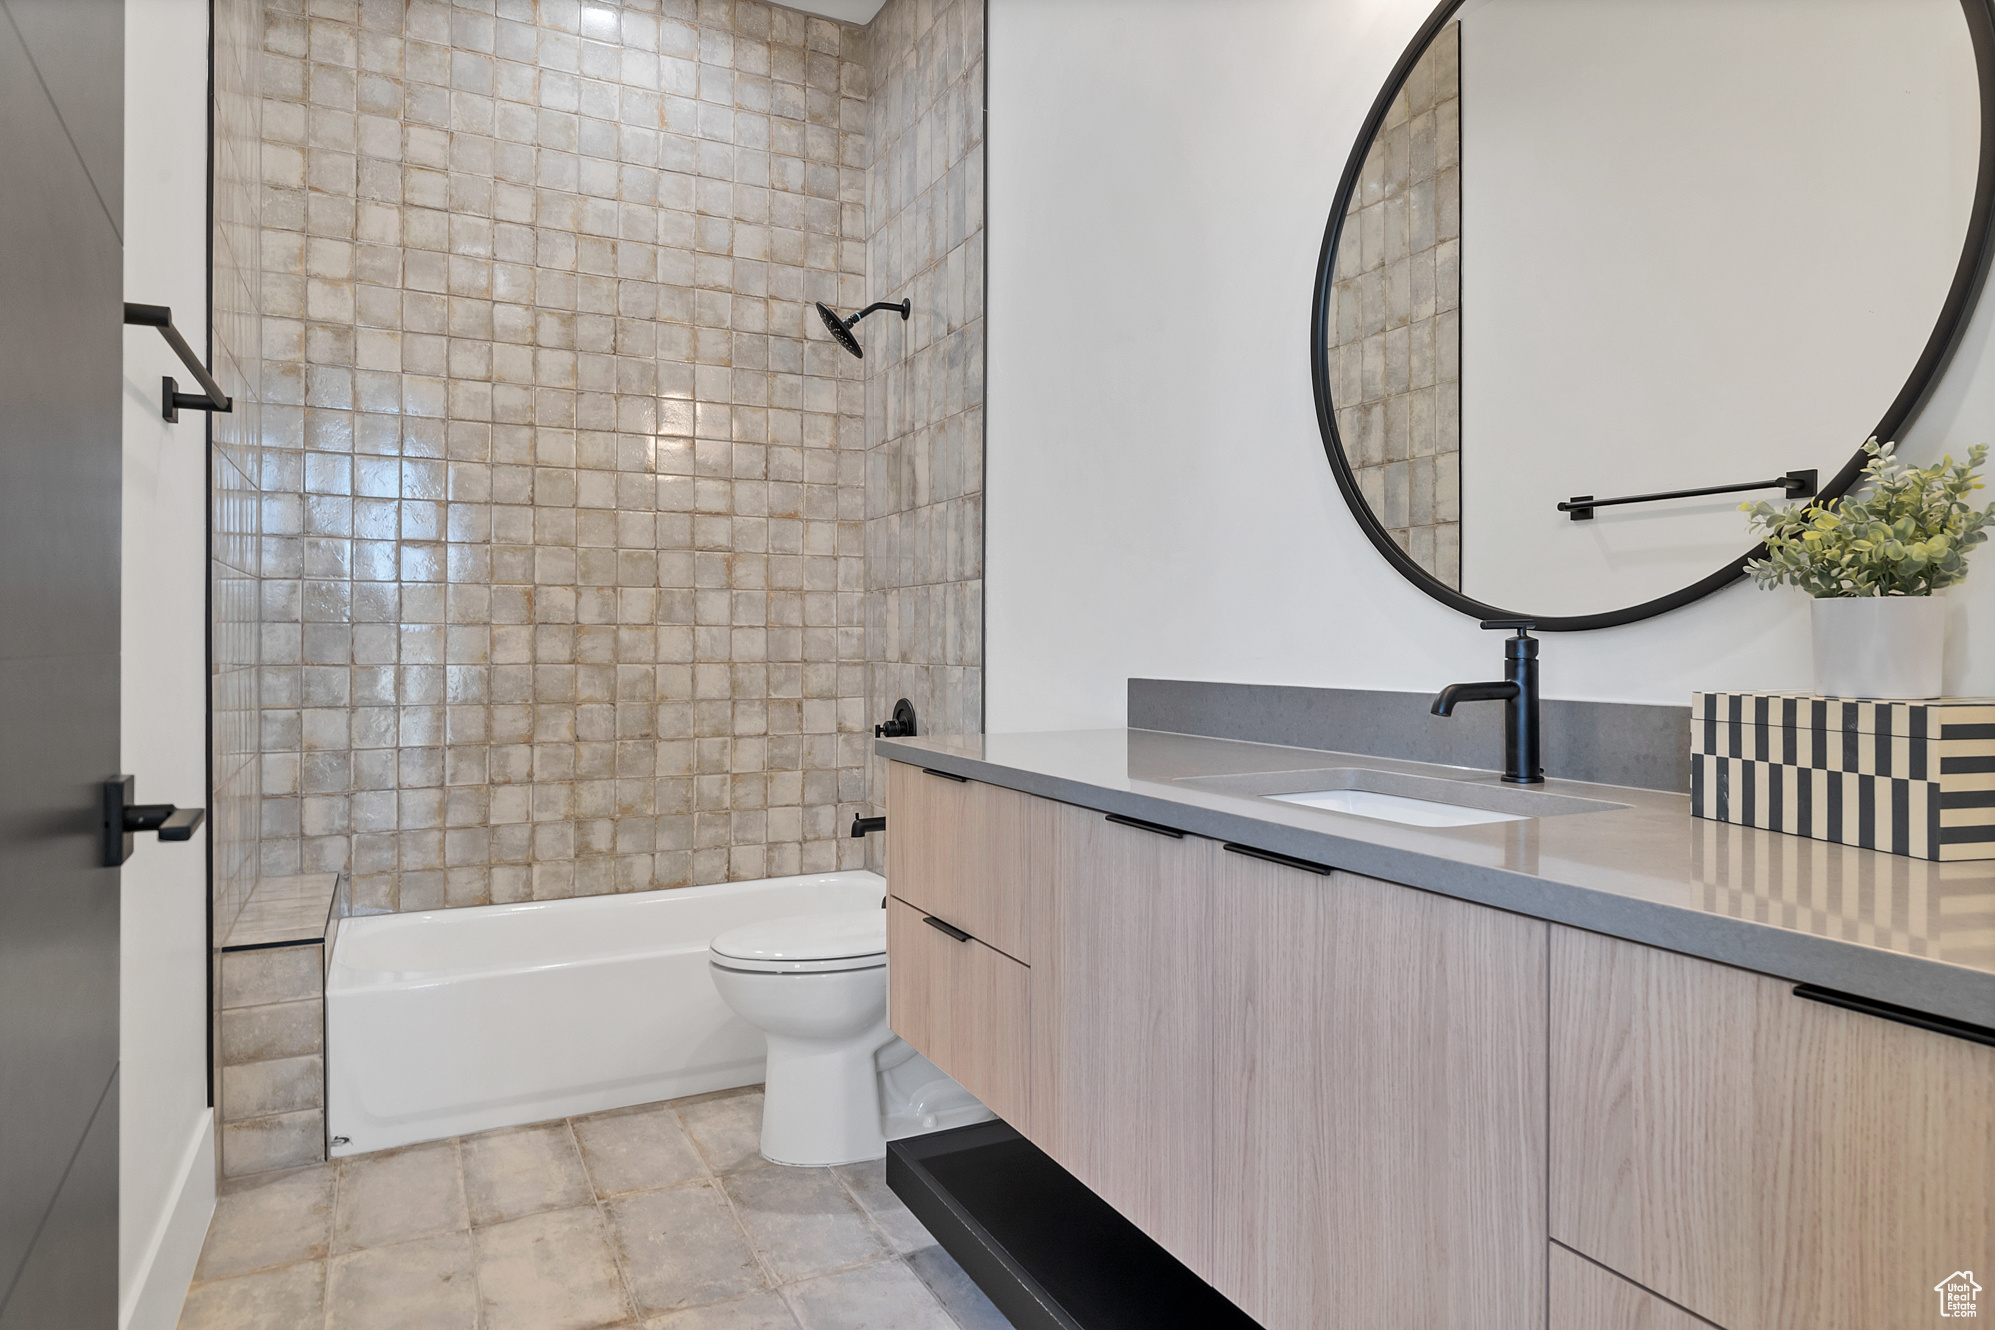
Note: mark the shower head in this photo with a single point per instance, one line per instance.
(841, 329)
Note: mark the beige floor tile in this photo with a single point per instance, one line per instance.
(802, 1221)
(761, 1311)
(868, 1183)
(550, 1271)
(261, 1223)
(522, 1171)
(727, 1129)
(954, 1289)
(286, 1297)
(682, 1248)
(637, 1149)
(398, 1195)
(422, 1285)
(882, 1296)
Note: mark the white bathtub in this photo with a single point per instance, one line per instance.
(456, 1021)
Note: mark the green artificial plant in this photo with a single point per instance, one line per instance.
(1908, 537)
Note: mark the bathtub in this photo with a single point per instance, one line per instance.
(455, 1021)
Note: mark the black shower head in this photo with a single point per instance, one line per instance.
(841, 329)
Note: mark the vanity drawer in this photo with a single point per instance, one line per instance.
(963, 1005)
(1586, 1297)
(1767, 1162)
(961, 850)
(1123, 1021)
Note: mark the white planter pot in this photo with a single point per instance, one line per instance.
(1879, 646)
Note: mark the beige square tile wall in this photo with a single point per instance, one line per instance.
(234, 803)
(270, 1059)
(925, 378)
(1396, 349)
(562, 486)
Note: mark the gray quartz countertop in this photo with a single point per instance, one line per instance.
(1904, 931)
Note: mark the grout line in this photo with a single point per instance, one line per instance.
(935, 1293)
(332, 1241)
(754, 1247)
(470, 1236)
(609, 1226)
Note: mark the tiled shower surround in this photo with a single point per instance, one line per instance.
(233, 457)
(925, 380)
(564, 491)
(1396, 334)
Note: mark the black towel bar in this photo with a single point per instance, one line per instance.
(1796, 485)
(161, 317)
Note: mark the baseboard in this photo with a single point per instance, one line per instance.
(153, 1302)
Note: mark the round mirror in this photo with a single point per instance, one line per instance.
(1601, 270)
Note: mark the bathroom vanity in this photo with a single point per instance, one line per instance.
(1596, 1069)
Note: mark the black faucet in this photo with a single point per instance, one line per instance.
(1518, 691)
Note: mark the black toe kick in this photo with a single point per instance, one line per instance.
(1047, 1251)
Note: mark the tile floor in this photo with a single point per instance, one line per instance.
(662, 1217)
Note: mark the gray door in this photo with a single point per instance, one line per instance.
(61, 278)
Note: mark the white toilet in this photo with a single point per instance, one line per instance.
(840, 1084)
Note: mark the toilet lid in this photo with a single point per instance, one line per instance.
(856, 937)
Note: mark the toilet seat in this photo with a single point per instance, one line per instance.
(806, 944)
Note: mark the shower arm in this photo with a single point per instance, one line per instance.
(900, 307)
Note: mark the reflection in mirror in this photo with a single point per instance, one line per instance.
(1395, 326)
(1618, 247)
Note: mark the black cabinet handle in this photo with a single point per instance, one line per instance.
(1141, 825)
(1829, 997)
(1285, 860)
(947, 775)
(941, 927)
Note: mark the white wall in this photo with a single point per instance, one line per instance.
(166, 1160)
(1676, 269)
(1158, 502)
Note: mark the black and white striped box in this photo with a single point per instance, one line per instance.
(1911, 778)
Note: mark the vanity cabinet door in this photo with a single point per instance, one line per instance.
(1123, 1019)
(1381, 1122)
(963, 1006)
(1768, 1162)
(960, 851)
(1587, 1297)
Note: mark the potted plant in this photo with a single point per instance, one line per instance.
(1873, 566)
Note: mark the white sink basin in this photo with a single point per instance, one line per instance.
(1399, 796)
(1397, 808)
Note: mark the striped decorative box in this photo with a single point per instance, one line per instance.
(1911, 778)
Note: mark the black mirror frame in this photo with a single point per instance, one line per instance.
(1969, 276)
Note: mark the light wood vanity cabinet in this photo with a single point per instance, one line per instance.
(1768, 1162)
(1380, 1140)
(960, 850)
(1346, 1102)
(1588, 1297)
(1124, 1028)
(1324, 1095)
(963, 1005)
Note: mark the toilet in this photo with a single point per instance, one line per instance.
(839, 1084)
